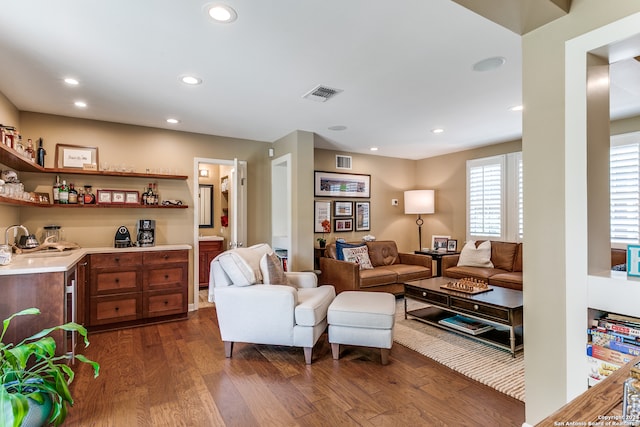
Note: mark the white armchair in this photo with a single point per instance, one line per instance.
(253, 312)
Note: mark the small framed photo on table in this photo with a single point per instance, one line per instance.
(452, 245)
(439, 242)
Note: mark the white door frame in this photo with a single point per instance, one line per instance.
(197, 161)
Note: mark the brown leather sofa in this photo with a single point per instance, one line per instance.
(507, 266)
(390, 269)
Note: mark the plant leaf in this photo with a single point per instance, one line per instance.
(5, 322)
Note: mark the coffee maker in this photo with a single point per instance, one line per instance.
(146, 232)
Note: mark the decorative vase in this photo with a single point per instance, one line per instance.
(322, 244)
(37, 414)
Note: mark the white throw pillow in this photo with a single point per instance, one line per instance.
(242, 265)
(359, 255)
(476, 257)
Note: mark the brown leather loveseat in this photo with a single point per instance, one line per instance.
(507, 266)
(390, 269)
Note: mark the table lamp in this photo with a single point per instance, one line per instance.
(419, 202)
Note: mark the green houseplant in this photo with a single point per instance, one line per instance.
(30, 370)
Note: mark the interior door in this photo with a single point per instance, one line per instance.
(238, 209)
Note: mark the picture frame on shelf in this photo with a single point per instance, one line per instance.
(76, 157)
(452, 245)
(132, 198)
(345, 224)
(104, 196)
(322, 217)
(336, 184)
(117, 197)
(439, 242)
(363, 222)
(342, 208)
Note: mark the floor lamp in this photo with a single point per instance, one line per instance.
(419, 202)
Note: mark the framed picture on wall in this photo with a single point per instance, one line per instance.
(362, 216)
(343, 225)
(322, 217)
(335, 184)
(342, 208)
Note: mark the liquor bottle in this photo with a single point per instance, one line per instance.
(29, 151)
(150, 195)
(56, 190)
(73, 195)
(156, 195)
(144, 196)
(80, 196)
(64, 193)
(89, 197)
(41, 152)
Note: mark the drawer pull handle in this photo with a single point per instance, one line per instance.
(166, 302)
(117, 280)
(166, 276)
(424, 294)
(475, 306)
(116, 259)
(117, 308)
(166, 257)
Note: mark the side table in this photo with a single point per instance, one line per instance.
(437, 257)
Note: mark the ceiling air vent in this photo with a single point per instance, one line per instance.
(343, 162)
(321, 93)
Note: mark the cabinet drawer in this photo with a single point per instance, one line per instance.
(163, 257)
(165, 278)
(115, 260)
(210, 245)
(115, 308)
(427, 295)
(488, 312)
(163, 303)
(115, 282)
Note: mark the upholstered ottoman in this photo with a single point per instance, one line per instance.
(364, 319)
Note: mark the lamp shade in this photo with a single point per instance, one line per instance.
(419, 202)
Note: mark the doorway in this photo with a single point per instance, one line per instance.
(220, 220)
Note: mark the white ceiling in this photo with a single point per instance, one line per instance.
(405, 68)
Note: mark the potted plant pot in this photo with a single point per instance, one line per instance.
(34, 381)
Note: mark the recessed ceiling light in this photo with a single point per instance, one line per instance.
(489, 64)
(373, 148)
(80, 104)
(337, 127)
(221, 13)
(517, 108)
(437, 130)
(173, 121)
(71, 81)
(190, 80)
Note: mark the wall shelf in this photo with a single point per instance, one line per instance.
(12, 159)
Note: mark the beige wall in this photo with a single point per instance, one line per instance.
(143, 148)
(390, 177)
(447, 175)
(9, 116)
(546, 301)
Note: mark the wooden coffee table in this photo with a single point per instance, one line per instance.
(499, 307)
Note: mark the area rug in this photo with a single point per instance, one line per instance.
(484, 363)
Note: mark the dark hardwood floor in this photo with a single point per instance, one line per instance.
(175, 374)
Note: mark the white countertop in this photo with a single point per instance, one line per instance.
(55, 261)
(205, 238)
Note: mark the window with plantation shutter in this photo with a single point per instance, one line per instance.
(494, 198)
(624, 184)
(484, 193)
